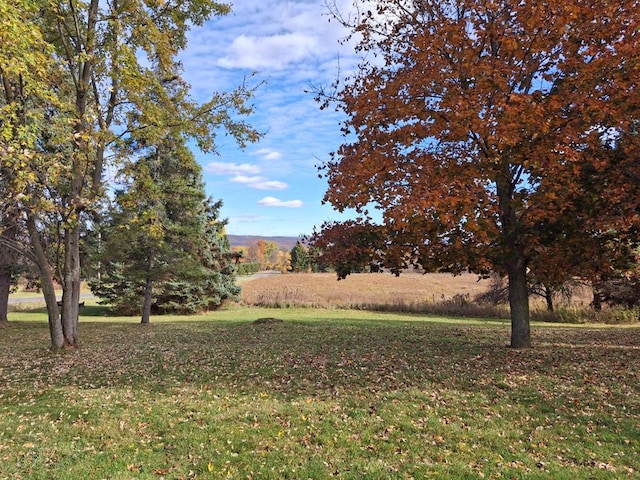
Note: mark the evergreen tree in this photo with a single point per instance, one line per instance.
(164, 249)
(300, 258)
(77, 80)
(206, 287)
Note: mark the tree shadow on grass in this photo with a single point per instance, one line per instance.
(439, 382)
(85, 310)
(95, 311)
(326, 359)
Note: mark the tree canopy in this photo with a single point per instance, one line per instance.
(485, 132)
(85, 85)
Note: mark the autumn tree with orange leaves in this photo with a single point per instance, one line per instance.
(484, 130)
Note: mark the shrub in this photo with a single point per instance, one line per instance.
(248, 268)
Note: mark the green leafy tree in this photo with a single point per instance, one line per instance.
(108, 64)
(27, 77)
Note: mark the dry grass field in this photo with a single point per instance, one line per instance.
(357, 290)
(434, 293)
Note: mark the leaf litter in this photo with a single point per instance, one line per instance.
(320, 400)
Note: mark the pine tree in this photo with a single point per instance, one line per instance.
(300, 258)
(77, 80)
(164, 250)
(207, 287)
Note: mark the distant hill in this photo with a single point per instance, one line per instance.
(247, 240)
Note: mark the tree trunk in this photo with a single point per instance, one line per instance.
(148, 292)
(8, 258)
(5, 286)
(71, 286)
(548, 296)
(146, 306)
(79, 167)
(597, 299)
(514, 258)
(46, 283)
(519, 304)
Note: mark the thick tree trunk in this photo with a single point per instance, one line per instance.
(519, 304)
(71, 286)
(46, 282)
(514, 258)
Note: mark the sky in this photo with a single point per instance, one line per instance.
(271, 188)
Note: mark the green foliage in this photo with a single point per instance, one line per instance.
(615, 315)
(78, 80)
(300, 258)
(163, 230)
(248, 268)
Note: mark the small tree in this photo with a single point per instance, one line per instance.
(300, 259)
(350, 247)
(619, 286)
(165, 249)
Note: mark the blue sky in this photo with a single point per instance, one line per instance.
(272, 187)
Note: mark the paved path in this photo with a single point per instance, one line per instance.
(18, 299)
(40, 299)
(240, 279)
(244, 278)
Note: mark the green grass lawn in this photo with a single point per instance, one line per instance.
(324, 394)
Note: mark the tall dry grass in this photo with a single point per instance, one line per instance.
(410, 292)
(435, 293)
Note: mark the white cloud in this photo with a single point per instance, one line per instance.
(247, 180)
(260, 183)
(274, 51)
(270, 185)
(268, 154)
(276, 202)
(283, 48)
(222, 168)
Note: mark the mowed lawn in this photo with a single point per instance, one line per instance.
(322, 394)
